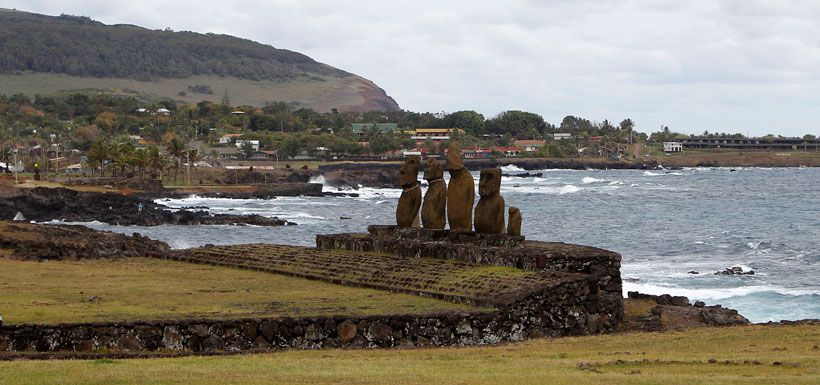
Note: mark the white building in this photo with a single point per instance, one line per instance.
(561, 135)
(254, 144)
(225, 139)
(672, 146)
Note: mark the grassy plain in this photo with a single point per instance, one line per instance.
(149, 289)
(737, 355)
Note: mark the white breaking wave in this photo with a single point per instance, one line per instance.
(511, 168)
(317, 179)
(588, 180)
(711, 294)
(650, 173)
(568, 189)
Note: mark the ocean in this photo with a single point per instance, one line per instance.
(666, 224)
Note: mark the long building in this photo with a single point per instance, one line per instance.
(784, 144)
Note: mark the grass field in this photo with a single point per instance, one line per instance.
(737, 355)
(148, 289)
(331, 92)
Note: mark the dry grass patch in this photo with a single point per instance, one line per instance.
(150, 289)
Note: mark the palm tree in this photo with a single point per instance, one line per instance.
(156, 161)
(176, 149)
(141, 159)
(122, 157)
(100, 152)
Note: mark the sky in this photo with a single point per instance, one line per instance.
(747, 66)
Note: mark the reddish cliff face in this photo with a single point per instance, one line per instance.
(375, 98)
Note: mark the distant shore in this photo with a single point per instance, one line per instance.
(687, 159)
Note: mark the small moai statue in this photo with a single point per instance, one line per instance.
(489, 213)
(514, 222)
(407, 211)
(433, 210)
(460, 191)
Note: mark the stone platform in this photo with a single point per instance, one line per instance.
(601, 267)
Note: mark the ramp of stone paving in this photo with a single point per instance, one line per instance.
(445, 279)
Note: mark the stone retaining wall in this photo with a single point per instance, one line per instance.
(565, 310)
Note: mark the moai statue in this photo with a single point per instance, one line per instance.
(460, 192)
(407, 212)
(489, 213)
(435, 199)
(514, 222)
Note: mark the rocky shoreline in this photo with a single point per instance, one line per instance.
(48, 204)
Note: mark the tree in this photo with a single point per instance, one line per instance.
(247, 149)
(107, 121)
(472, 122)
(290, 146)
(516, 123)
(383, 142)
(141, 160)
(99, 152)
(176, 149)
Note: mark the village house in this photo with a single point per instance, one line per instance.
(672, 146)
(253, 143)
(529, 145)
(435, 134)
(221, 153)
(226, 139)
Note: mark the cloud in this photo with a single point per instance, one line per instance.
(734, 66)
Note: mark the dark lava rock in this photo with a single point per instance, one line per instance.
(46, 204)
(735, 270)
(525, 175)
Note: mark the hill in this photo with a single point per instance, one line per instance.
(42, 54)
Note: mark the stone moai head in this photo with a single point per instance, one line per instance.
(454, 161)
(432, 170)
(489, 182)
(410, 171)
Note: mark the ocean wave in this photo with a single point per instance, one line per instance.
(650, 173)
(317, 179)
(714, 293)
(589, 179)
(568, 189)
(511, 168)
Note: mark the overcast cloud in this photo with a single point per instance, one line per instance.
(747, 66)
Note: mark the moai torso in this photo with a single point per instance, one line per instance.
(407, 211)
(460, 191)
(489, 213)
(435, 199)
(514, 222)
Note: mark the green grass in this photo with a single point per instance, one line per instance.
(148, 289)
(742, 355)
(429, 275)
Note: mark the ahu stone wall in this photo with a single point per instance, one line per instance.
(564, 309)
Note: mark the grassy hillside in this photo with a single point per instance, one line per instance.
(42, 54)
(737, 355)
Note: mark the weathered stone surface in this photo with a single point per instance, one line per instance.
(514, 222)
(489, 213)
(460, 192)
(433, 210)
(347, 331)
(407, 211)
